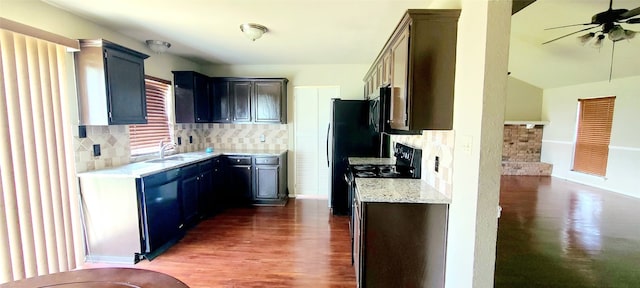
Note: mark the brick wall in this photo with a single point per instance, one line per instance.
(521, 149)
(521, 144)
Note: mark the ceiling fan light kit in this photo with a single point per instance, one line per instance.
(610, 21)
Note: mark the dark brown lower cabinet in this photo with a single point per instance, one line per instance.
(270, 180)
(399, 244)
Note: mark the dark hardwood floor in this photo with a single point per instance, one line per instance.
(555, 233)
(300, 245)
(552, 233)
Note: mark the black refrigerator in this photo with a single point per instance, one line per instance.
(349, 135)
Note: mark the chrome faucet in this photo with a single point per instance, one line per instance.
(164, 147)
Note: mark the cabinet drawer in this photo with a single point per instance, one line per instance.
(239, 160)
(266, 160)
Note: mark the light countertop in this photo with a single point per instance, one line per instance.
(145, 168)
(394, 190)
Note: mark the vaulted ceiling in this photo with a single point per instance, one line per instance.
(353, 31)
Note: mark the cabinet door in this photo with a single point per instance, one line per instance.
(206, 198)
(266, 182)
(202, 98)
(240, 187)
(221, 109)
(267, 97)
(189, 199)
(386, 68)
(220, 199)
(399, 70)
(126, 98)
(241, 97)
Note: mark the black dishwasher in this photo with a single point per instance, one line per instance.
(160, 212)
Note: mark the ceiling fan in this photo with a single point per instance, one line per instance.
(610, 21)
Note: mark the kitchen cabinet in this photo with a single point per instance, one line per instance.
(268, 180)
(193, 103)
(390, 251)
(221, 101)
(244, 100)
(110, 83)
(197, 192)
(400, 56)
(422, 70)
(240, 173)
(268, 101)
(241, 98)
(218, 178)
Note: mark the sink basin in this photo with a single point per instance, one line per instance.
(169, 159)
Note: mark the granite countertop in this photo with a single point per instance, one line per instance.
(371, 161)
(394, 190)
(145, 168)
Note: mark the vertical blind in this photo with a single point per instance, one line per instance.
(40, 231)
(594, 132)
(146, 138)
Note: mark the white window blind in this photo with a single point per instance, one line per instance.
(40, 231)
(146, 138)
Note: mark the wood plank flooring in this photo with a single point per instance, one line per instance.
(556, 233)
(300, 245)
(552, 233)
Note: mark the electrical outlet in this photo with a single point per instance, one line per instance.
(437, 166)
(82, 131)
(190, 139)
(262, 139)
(179, 140)
(96, 150)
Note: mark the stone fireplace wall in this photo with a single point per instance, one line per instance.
(521, 149)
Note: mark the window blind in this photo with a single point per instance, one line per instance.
(146, 138)
(594, 132)
(40, 231)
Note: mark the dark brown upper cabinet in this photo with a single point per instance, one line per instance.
(241, 98)
(110, 83)
(221, 97)
(192, 97)
(268, 101)
(244, 100)
(420, 59)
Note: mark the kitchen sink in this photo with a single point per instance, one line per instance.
(170, 159)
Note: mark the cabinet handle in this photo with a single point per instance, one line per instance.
(248, 168)
(198, 178)
(238, 160)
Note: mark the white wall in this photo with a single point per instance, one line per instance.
(524, 101)
(559, 106)
(480, 95)
(40, 15)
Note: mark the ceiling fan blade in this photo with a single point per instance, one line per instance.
(585, 29)
(570, 26)
(629, 14)
(633, 21)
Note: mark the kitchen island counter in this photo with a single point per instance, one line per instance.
(394, 190)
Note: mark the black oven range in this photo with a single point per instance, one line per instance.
(408, 165)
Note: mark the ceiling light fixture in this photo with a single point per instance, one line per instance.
(253, 31)
(158, 46)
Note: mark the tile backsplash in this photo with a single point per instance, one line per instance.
(433, 143)
(114, 147)
(116, 151)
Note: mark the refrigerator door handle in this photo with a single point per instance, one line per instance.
(328, 129)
